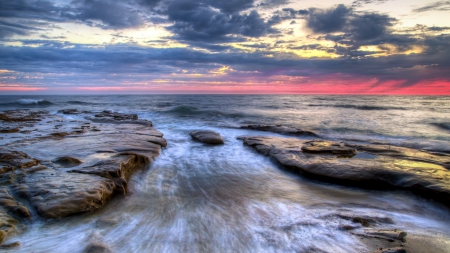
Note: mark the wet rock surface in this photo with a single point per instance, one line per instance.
(58, 194)
(208, 137)
(392, 167)
(8, 226)
(22, 115)
(67, 161)
(77, 168)
(119, 170)
(280, 129)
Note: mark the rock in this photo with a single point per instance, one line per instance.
(58, 194)
(157, 140)
(8, 226)
(119, 170)
(121, 118)
(280, 129)
(421, 172)
(5, 130)
(22, 115)
(390, 250)
(59, 134)
(390, 235)
(96, 248)
(67, 161)
(327, 147)
(12, 206)
(69, 111)
(366, 221)
(11, 160)
(206, 136)
(10, 245)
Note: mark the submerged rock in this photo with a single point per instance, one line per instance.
(122, 118)
(280, 129)
(97, 248)
(22, 115)
(207, 136)
(67, 161)
(58, 194)
(390, 250)
(6, 130)
(415, 170)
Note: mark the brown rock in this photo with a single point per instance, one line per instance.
(157, 140)
(121, 118)
(206, 136)
(427, 176)
(12, 206)
(5, 130)
(57, 194)
(11, 160)
(327, 147)
(8, 226)
(119, 170)
(22, 115)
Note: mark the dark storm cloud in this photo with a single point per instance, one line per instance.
(342, 19)
(8, 29)
(54, 56)
(328, 20)
(437, 6)
(369, 26)
(40, 9)
(112, 15)
(194, 21)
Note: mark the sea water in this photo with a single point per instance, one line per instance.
(229, 198)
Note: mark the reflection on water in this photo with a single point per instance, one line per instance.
(200, 198)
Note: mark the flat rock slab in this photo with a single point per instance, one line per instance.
(22, 115)
(206, 136)
(58, 194)
(399, 167)
(119, 170)
(280, 129)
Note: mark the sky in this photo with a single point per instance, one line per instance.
(394, 47)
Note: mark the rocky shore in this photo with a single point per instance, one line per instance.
(53, 166)
(368, 166)
(58, 165)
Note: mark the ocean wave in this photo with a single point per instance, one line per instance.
(26, 102)
(184, 110)
(361, 107)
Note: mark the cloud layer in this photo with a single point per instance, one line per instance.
(209, 43)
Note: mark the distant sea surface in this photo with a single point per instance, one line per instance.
(418, 121)
(229, 198)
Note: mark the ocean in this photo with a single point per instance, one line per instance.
(229, 198)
